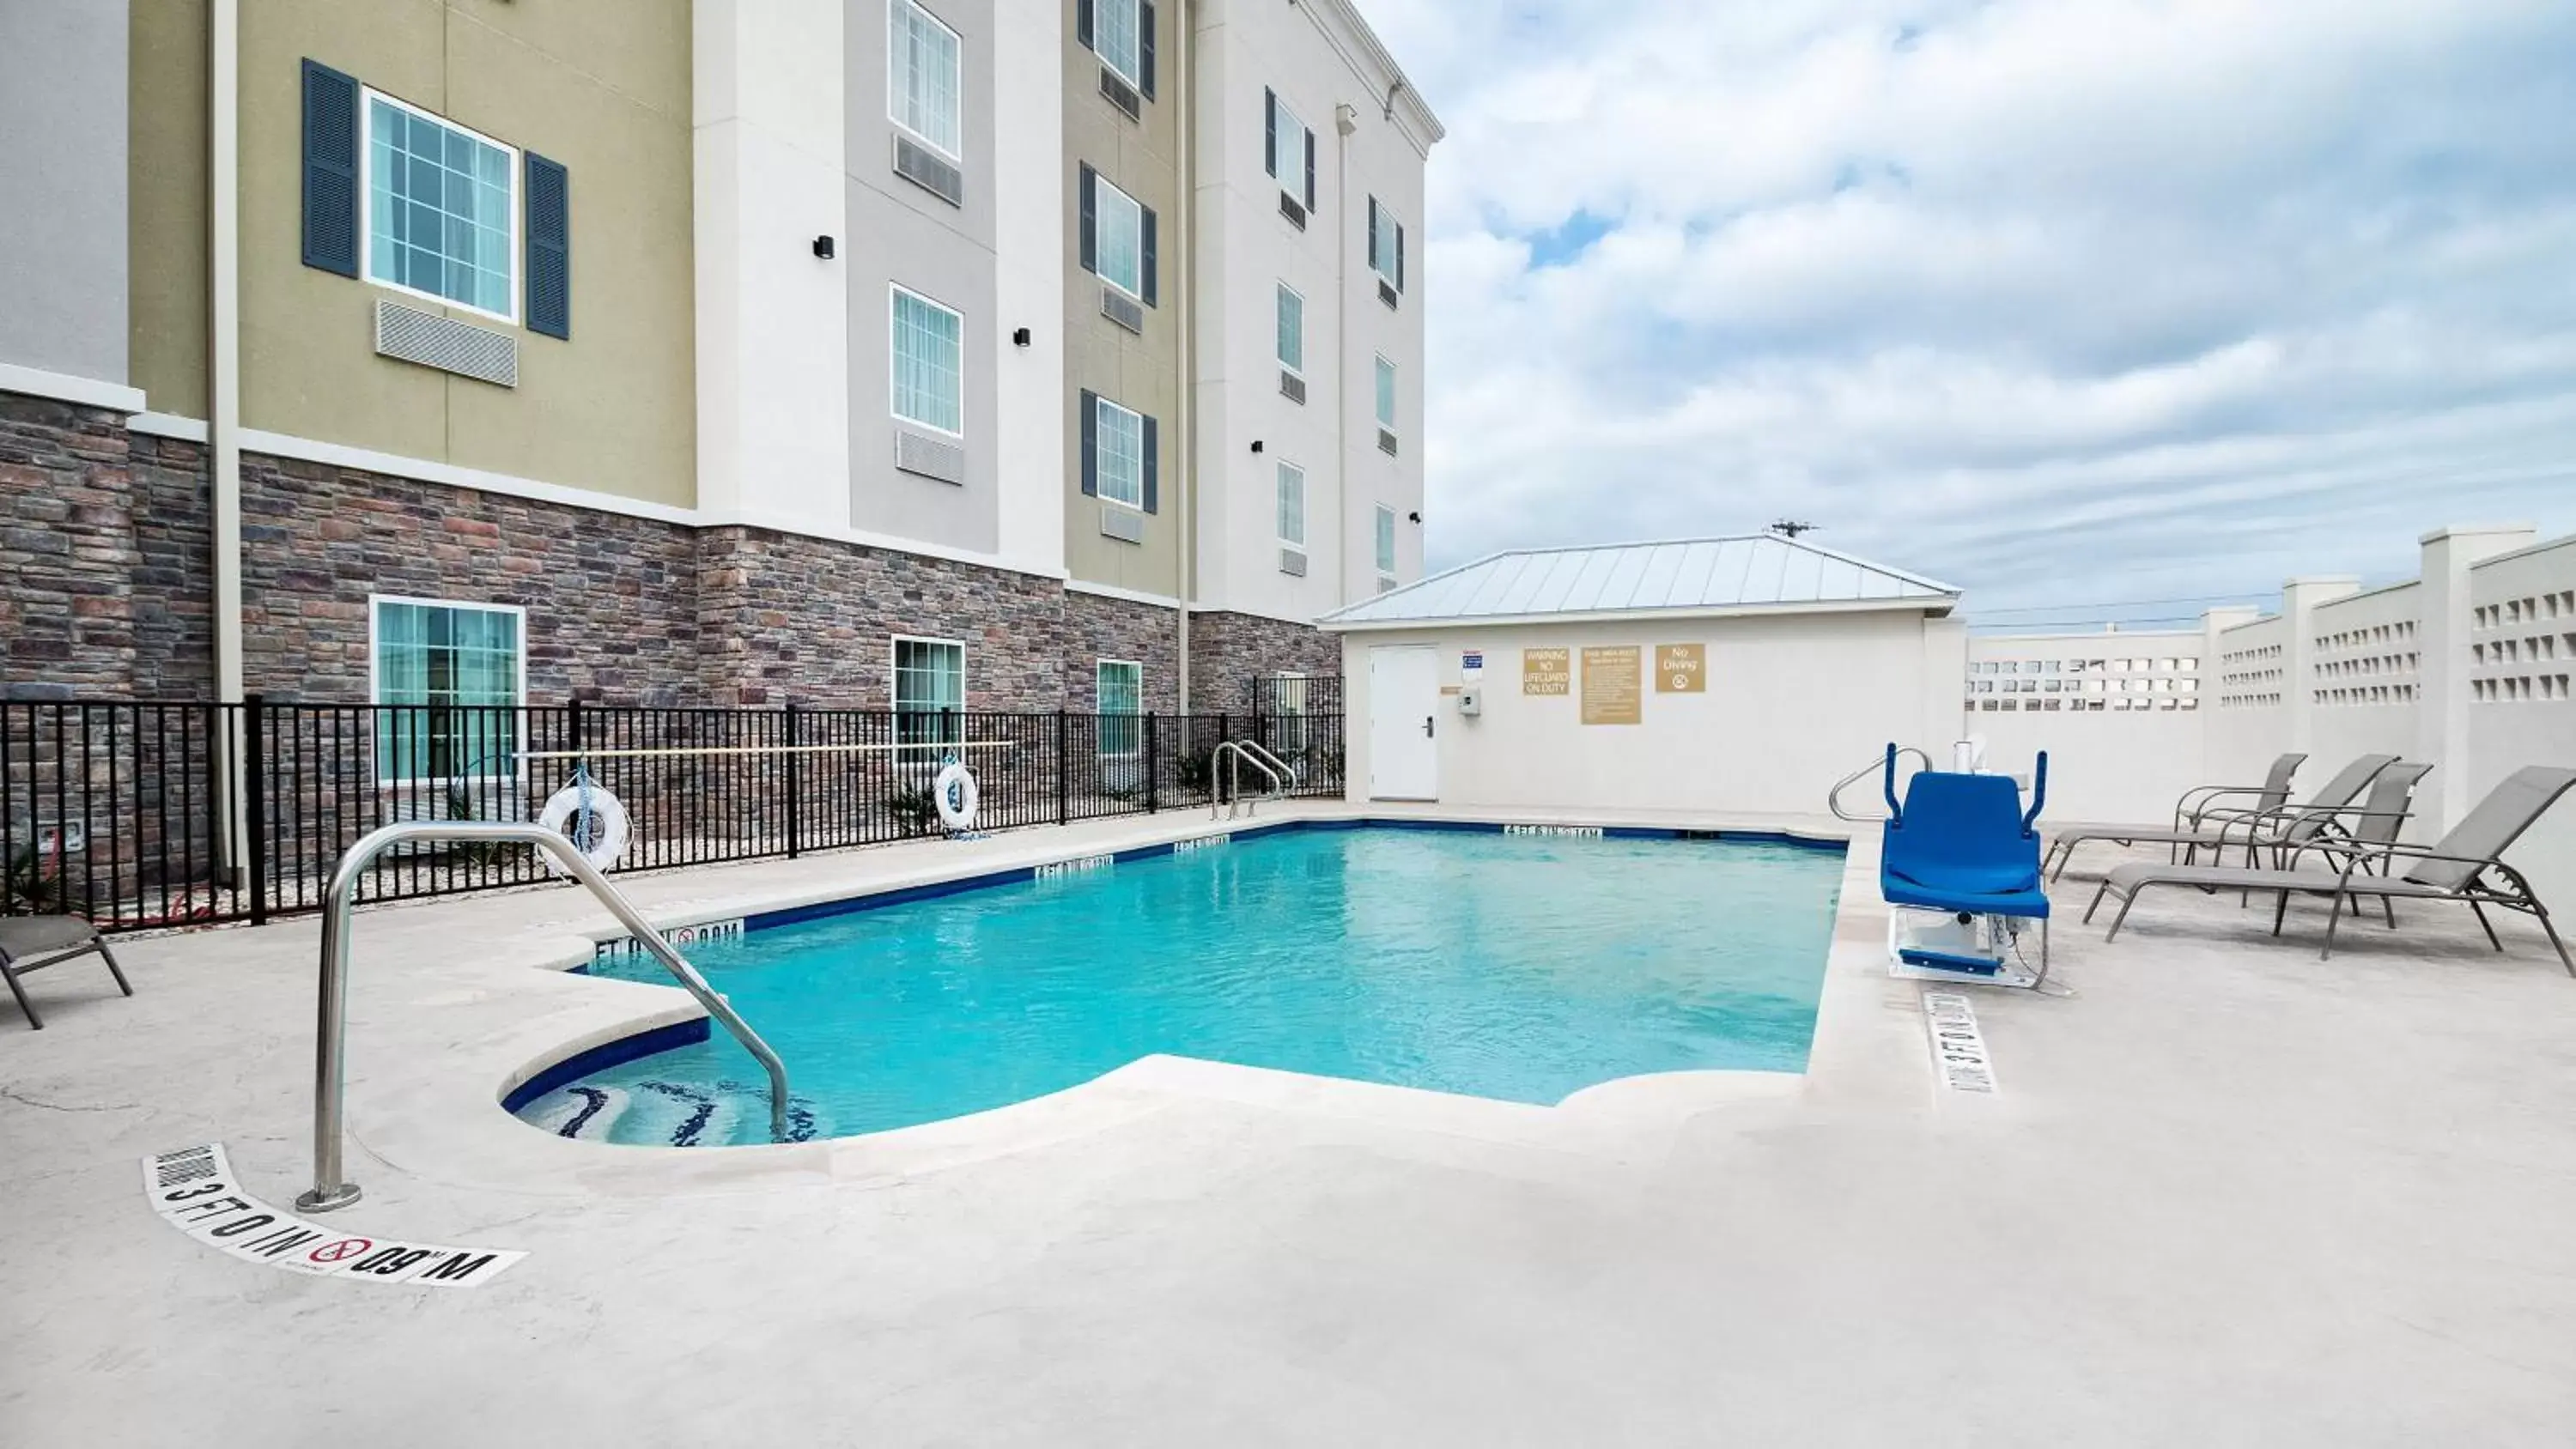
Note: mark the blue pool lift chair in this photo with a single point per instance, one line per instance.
(1963, 845)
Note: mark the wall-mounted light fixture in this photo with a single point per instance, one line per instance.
(1415, 516)
(823, 247)
(1256, 445)
(1019, 337)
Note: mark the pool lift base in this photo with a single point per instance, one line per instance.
(1925, 945)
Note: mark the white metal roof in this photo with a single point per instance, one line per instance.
(1755, 572)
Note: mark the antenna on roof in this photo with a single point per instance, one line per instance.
(1791, 528)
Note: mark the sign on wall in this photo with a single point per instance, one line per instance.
(1681, 669)
(1612, 677)
(1544, 671)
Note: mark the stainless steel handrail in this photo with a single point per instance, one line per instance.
(330, 1189)
(1234, 777)
(1834, 799)
(1260, 753)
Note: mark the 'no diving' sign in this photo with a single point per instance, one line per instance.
(194, 1191)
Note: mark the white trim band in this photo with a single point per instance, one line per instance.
(64, 387)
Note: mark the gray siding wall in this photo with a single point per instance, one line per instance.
(901, 233)
(62, 186)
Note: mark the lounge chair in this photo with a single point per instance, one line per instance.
(2216, 828)
(2466, 865)
(1963, 844)
(32, 943)
(2200, 811)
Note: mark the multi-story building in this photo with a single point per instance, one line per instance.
(1009, 354)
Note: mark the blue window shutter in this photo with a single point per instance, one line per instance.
(1399, 256)
(1149, 253)
(1145, 46)
(1153, 467)
(1270, 130)
(548, 206)
(1310, 171)
(1372, 232)
(1082, 22)
(1090, 220)
(1090, 443)
(330, 170)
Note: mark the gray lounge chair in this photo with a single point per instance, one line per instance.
(32, 943)
(2466, 865)
(2201, 822)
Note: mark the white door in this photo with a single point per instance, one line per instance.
(1404, 720)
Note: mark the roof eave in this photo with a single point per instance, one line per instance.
(1937, 606)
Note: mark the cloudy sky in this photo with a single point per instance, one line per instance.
(2065, 301)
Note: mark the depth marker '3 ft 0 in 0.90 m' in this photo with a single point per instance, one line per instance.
(194, 1190)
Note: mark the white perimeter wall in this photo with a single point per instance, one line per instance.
(2119, 715)
(1793, 703)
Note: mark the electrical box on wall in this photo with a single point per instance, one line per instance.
(1471, 701)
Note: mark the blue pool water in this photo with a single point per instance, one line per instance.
(1517, 967)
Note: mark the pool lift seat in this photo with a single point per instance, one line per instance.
(1959, 868)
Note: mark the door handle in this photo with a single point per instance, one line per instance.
(1426, 725)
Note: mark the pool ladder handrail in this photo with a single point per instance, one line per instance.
(1877, 764)
(330, 1188)
(1281, 775)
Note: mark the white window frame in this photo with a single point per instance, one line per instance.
(1386, 226)
(1136, 45)
(1278, 491)
(1386, 379)
(376, 681)
(1385, 557)
(1100, 475)
(894, 690)
(1102, 189)
(1135, 733)
(894, 88)
(1286, 293)
(1292, 180)
(517, 251)
(893, 378)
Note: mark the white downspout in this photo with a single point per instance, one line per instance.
(1345, 121)
(1186, 552)
(223, 371)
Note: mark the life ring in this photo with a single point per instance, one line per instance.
(607, 824)
(954, 792)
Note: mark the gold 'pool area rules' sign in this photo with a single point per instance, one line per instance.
(1612, 679)
(1681, 669)
(1544, 671)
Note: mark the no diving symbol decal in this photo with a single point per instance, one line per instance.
(194, 1190)
(1958, 1047)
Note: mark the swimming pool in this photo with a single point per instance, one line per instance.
(1513, 966)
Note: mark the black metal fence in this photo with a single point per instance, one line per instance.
(139, 814)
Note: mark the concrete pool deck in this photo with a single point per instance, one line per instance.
(2227, 1194)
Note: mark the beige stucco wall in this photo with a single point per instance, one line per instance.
(601, 86)
(1792, 703)
(1141, 158)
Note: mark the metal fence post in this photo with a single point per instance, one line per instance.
(795, 784)
(255, 803)
(1153, 768)
(1063, 766)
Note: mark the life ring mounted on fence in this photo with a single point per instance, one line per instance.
(591, 818)
(954, 792)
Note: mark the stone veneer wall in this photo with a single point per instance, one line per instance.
(1229, 651)
(1104, 628)
(105, 592)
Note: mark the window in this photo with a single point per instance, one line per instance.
(1120, 459)
(929, 693)
(1385, 245)
(1288, 700)
(922, 76)
(1117, 33)
(929, 383)
(1385, 543)
(1292, 329)
(1120, 243)
(442, 209)
(1386, 394)
(462, 668)
(1288, 150)
(1120, 687)
(1292, 505)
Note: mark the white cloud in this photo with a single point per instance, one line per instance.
(2061, 299)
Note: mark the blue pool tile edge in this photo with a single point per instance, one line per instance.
(603, 1056)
